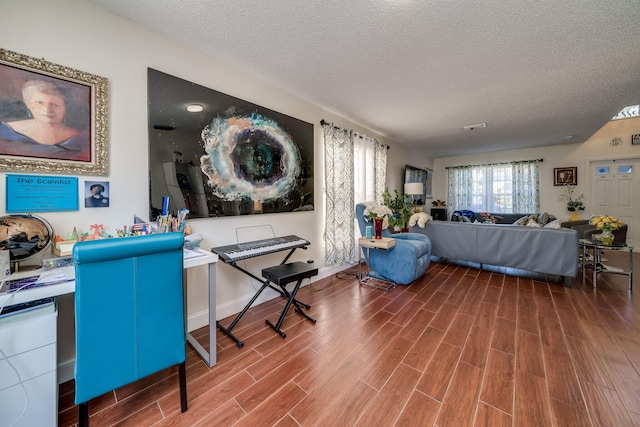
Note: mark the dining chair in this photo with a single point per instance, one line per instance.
(129, 314)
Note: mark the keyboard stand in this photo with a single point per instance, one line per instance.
(265, 283)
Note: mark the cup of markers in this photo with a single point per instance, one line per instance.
(168, 223)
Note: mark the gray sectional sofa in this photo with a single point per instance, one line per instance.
(542, 250)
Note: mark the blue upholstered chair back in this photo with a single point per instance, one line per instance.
(362, 224)
(129, 310)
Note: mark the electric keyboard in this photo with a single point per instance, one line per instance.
(232, 253)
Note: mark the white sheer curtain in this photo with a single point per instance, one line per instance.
(370, 169)
(370, 163)
(355, 171)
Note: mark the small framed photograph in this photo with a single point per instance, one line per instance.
(53, 119)
(635, 139)
(96, 194)
(565, 176)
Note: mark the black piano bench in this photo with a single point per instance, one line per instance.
(283, 274)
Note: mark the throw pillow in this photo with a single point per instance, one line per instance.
(533, 223)
(522, 221)
(465, 219)
(543, 219)
(553, 224)
(419, 218)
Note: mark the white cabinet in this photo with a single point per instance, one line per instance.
(28, 344)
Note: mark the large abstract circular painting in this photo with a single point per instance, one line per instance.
(249, 157)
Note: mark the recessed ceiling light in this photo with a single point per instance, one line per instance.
(194, 108)
(472, 127)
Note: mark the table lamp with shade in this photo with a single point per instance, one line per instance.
(413, 189)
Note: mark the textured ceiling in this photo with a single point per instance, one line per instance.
(417, 71)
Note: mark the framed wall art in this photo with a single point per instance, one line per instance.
(96, 194)
(53, 119)
(565, 176)
(218, 155)
(37, 193)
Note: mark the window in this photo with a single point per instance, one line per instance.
(626, 112)
(497, 179)
(625, 169)
(499, 188)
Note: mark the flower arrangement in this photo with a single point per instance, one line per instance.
(439, 204)
(373, 210)
(606, 222)
(574, 202)
(487, 218)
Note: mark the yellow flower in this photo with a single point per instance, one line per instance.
(606, 222)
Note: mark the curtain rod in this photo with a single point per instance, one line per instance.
(323, 123)
(515, 162)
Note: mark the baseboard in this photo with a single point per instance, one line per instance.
(229, 308)
(65, 370)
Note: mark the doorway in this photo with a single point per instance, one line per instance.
(615, 191)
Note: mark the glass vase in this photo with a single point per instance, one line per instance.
(377, 226)
(607, 237)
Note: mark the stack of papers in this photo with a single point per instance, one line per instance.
(188, 253)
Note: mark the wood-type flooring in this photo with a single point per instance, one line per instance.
(459, 347)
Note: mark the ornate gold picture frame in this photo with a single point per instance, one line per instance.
(53, 119)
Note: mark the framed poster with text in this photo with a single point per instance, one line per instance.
(31, 193)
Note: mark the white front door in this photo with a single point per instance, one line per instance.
(615, 187)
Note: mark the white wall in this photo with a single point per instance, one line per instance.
(597, 147)
(80, 35)
(397, 162)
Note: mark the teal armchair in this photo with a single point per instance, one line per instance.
(405, 262)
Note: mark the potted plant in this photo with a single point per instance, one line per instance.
(401, 209)
(574, 203)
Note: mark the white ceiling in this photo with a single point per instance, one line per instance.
(418, 71)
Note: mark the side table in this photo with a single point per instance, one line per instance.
(595, 261)
(384, 244)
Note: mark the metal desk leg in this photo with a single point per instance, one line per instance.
(584, 261)
(630, 269)
(596, 263)
(210, 356)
